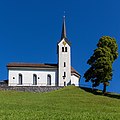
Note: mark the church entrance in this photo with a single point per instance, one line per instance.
(64, 83)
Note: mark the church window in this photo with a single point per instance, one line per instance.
(48, 79)
(34, 79)
(62, 49)
(20, 79)
(64, 64)
(65, 49)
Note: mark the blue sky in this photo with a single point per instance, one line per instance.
(30, 30)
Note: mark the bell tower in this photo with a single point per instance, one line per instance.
(64, 58)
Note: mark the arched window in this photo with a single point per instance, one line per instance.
(20, 79)
(48, 79)
(34, 79)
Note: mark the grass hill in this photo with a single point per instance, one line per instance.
(69, 103)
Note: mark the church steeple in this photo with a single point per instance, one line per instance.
(63, 35)
(64, 58)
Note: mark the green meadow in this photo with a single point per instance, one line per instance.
(69, 103)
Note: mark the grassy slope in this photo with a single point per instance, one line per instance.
(69, 103)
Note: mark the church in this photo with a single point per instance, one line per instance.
(60, 74)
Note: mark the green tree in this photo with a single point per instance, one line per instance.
(101, 62)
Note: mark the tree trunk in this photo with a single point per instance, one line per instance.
(104, 88)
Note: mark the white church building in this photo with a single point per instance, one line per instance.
(61, 74)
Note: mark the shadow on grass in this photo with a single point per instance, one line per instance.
(99, 92)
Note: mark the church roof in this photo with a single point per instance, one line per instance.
(37, 65)
(45, 65)
(73, 71)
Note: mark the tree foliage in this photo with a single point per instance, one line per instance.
(101, 62)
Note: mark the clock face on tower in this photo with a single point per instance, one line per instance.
(64, 43)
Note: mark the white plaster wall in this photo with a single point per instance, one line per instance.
(64, 57)
(74, 80)
(28, 77)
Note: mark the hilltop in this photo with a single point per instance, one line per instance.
(69, 103)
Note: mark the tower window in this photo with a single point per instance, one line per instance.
(64, 74)
(62, 49)
(65, 49)
(64, 64)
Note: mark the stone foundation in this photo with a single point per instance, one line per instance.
(30, 88)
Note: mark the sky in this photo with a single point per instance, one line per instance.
(30, 30)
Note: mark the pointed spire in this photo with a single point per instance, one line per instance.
(63, 35)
